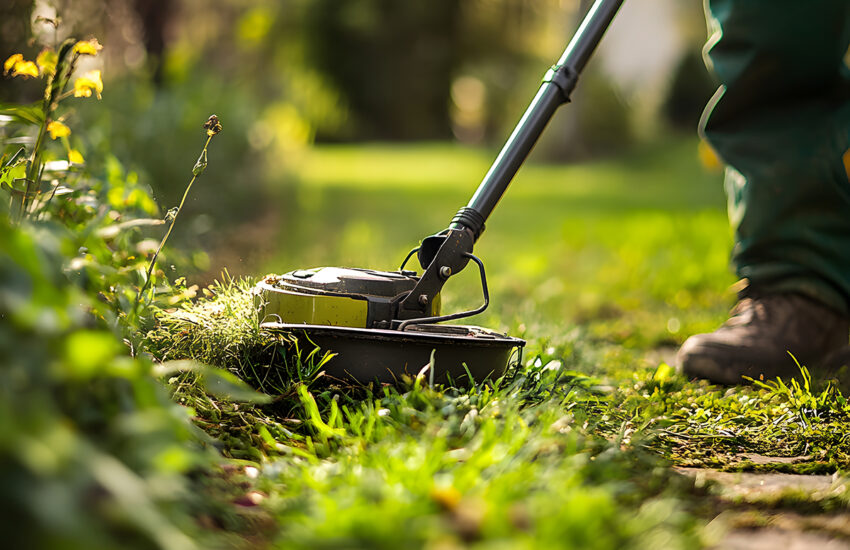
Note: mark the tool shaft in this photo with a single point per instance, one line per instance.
(589, 34)
(446, 253)
(554, 91)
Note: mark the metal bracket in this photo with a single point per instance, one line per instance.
(450, 258)
(460, 315)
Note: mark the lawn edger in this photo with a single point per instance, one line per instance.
(383, 324)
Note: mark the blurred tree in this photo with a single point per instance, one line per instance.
(154, 15)
(393, 61)
(596, 122)
(503, 47)
(15, 23)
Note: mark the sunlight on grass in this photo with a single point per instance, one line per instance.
(640, 241)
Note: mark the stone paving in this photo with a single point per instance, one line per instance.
(774, 511)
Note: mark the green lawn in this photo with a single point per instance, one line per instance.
(603, 267)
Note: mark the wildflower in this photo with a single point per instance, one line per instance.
(19, 66)
(212, 125)
(84, 85)
(46, 61)
(87, 47)
(75, 157)
(13, 59)
(58, 130)
(27, 68)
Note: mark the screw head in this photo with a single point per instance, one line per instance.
(423, 300)
(445, 272)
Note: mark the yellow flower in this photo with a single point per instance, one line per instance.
(46, 61)
(27, 68)
(87, 47)
(75, 157)
(58, 130)
(84, 85)
(19, 66)
(13, 59)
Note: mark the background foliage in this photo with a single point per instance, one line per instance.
(284, 74)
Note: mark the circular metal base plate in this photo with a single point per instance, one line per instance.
(366, 355)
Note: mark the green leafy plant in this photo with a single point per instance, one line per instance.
(57, 68)
(95, 452)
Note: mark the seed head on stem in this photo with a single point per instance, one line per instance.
(213, 127)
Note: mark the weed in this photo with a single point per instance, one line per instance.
(709, 426)
(213, 127)
(223, 330)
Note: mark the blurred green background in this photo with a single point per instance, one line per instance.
(353, 129)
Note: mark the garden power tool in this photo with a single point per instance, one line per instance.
(380, 325)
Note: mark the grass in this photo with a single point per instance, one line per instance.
(604, 268)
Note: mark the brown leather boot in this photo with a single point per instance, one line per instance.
(758, 337)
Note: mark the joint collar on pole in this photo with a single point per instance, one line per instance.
(564, 78)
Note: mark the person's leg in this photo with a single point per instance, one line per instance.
(781, 123)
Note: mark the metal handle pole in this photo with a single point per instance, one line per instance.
(558, 84)
(448, 252)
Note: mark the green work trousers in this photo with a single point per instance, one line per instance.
(781, 122)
